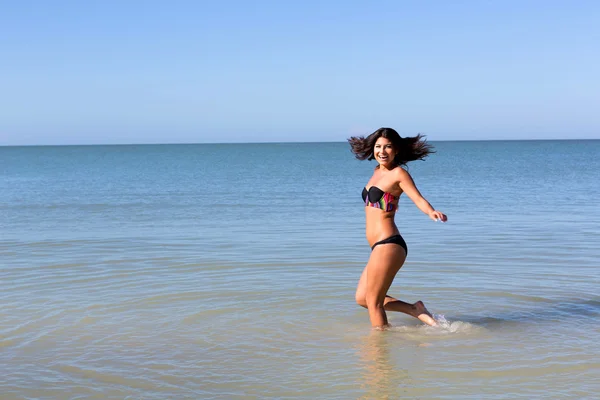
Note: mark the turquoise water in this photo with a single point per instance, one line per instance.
(228, 271)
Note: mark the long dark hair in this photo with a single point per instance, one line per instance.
(408, 148)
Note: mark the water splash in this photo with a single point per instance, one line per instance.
(442, 321)
(454, 327)
(443, 328)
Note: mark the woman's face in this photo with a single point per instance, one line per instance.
(384, 152)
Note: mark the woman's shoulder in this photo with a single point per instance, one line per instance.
(400, 173)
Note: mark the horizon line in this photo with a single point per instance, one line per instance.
(276, 142)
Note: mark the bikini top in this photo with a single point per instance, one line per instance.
(375, 197)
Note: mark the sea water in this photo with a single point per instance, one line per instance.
(228, 271)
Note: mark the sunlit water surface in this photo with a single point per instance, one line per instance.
(228, 271)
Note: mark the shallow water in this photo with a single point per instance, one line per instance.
(228, 271)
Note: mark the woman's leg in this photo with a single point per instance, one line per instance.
(384, 263)
(416, 310)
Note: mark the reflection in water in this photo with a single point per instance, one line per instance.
(382, 377)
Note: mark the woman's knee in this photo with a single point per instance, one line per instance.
(360, 299)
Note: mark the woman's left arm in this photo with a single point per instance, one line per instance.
(408, 186)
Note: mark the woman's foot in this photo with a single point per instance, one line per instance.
(420, 312)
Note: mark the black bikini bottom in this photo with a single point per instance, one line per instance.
(396, 239)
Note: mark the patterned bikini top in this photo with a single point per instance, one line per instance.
(375, 197)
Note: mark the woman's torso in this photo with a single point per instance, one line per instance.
(380, 214)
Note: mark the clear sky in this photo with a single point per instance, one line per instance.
(82, 72)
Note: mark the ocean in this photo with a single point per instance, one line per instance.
(227, 271)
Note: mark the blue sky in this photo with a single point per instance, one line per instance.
(83, 72)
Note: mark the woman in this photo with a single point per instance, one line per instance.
(381, 195)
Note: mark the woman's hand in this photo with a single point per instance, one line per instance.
(438, 216)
